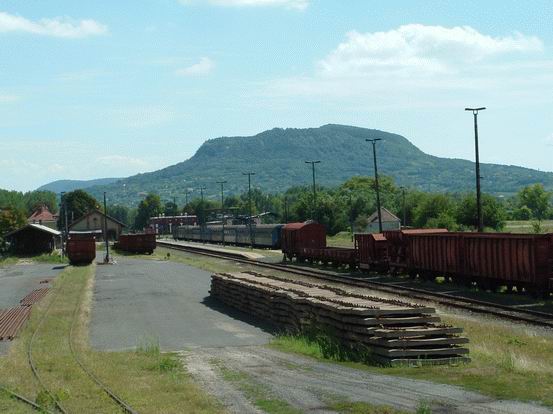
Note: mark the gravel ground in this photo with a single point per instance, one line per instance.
(308, 385)
(141, 301)
(17, 281)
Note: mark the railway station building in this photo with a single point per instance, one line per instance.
(94, 221)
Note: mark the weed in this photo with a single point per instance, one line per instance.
(423, 407)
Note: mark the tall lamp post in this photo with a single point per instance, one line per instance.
(202, 221)
(477, 156)
(374, 141)
(222, 210)
(65, 227)
(106, 259)
(314, 188)
(249, 174)
(403, 206)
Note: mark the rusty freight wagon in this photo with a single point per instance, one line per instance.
(372, 251)
(524, 261)
(296, 236)
(137, 243)
(336, 256)
(81, 249)
(398, 246)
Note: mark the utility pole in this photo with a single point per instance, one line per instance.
(106, 259)
(314, 189)
(222, 210)
(351, 215)
(249, 174)
(478, 195)
(285, 209)
(64, 228)
(202, 221)
(403, 206)
(186, 192)
(373, 141)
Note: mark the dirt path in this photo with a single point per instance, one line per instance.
(241, 377)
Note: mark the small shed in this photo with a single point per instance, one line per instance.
(389, 221)
(34, 239)
(94, 221)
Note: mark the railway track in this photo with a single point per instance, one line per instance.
(122, 404)
(507, 312)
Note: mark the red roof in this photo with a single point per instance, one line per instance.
(42, 214)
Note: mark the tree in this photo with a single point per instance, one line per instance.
(435, 210)
(149, 207)
(120, 213)
(493, 212)
(10, 219)
(78, 203)
(536, 199)
(171, 209)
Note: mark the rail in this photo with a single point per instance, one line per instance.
(474, 305)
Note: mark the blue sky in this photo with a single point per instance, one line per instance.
(97, 89)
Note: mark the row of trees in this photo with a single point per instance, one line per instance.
(339, 208)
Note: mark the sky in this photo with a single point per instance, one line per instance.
(115, 88)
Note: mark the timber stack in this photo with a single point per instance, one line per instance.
(390, 331)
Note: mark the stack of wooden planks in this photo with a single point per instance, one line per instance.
(390, 331)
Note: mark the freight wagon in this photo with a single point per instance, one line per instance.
(80, 249)
(297, 236)
(264, 235)
(137, 243)
(524, 261)
(372, 251)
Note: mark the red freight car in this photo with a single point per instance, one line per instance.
(137, 243)
(398, 247)
(80, 249)
(489, 259)
(372, 251)
(296, 236)
(337, 256)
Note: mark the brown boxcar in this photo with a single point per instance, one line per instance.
(137, 243)
(296, 236)
(336, 256)
(489, 259)
(397, 245)
(81, 249)
(372, 251)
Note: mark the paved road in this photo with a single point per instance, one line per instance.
(143, 301)
(18, 280)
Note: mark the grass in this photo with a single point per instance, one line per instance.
(150, 381)
(342, 239)
(507, 362)
(54, 258)
(358, 407)
(258, 394)
(527, 226)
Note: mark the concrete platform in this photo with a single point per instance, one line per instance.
(17, 281)
(143, 301)
(216, 249)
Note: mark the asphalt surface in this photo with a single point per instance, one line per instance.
(139, 302)
(19, 280)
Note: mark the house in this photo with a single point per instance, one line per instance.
(94, 221)
(34, 239)
(389, 221)
(43, 215)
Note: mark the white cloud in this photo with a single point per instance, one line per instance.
(203, 67)
(9, 98)
(122, 161)
(143, 116)
(288, 4)
(419, 48)
(56, 27)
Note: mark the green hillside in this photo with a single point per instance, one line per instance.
(277, 157)
(70, 185)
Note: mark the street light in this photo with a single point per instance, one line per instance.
(222, 210)
(106, 259)
(65, 237)
(249, 174)
(478, 196)
(202, 221)
(314, 188)
(403, 206)
(373, 141)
